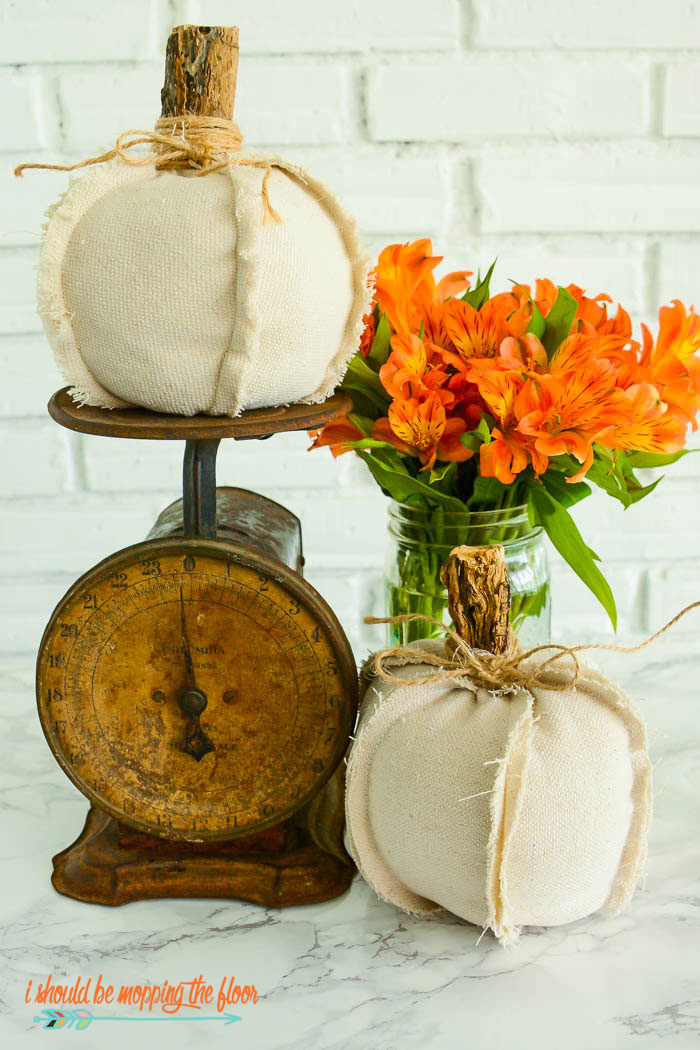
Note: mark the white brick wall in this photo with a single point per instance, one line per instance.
(563, 137)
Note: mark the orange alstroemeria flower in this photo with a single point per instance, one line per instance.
(524, 354)
(368, 333)
(679, 331)
(584, 350)
(400, 270)
(406, 290)
(562, 413)
(671, 365)
(507, 455)
(592, 315)
(641, 421)
(545, 295)
(499, 379)
(421, 428)
(431, 312)
(419, 424)
(479, 333)
(467, 403)
(498, 384)
(414, 365)
(336, 435)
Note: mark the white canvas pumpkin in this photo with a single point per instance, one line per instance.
(509, 809)
(167, 291)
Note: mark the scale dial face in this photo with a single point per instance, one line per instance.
(139, 640)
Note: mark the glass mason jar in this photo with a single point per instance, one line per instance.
(421, 539)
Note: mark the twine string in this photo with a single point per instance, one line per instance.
(205, 144)
(495, 671)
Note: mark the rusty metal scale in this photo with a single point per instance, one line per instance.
(199, 691)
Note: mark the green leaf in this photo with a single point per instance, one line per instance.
(648, 460)
(637, 492)
(370, 443)
(537, 324)
(558, 321)
(484, 427)
(480, 435)
(443, 477)
(562, 531)
(363, 423)
(395, 481)
(380, 344)
(488, 492)
(563, 492)
(471, 439)
(364, 400)
(526, 605)
(478, 295)
(360, 374)
(614, 475)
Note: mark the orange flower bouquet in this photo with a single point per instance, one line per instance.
(486, 417)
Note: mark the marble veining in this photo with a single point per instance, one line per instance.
(356, 973)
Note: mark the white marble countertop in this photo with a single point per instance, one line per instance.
(357, 973)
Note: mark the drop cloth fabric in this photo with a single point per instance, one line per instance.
(509, 808)
(168, 292)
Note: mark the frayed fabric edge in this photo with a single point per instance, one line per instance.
(634, 853)
(375, 717)
(66, 212)
(239, 359)
(61, 219)
(360, 263)
(504, 823)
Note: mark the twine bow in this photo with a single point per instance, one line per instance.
(493, 671)
(205, 144)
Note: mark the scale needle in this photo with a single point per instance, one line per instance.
(189, 665)
(192, 700)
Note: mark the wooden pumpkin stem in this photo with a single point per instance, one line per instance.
(479, 596)
(201, 65)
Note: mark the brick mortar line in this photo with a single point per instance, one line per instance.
(457, 50)
(476, 148)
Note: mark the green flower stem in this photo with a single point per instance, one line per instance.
(414, 585)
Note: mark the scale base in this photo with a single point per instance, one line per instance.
(110, 863)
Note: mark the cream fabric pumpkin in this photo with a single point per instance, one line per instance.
(167, 291)
(509, 809)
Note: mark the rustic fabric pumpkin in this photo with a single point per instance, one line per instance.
(509, 808)
(168, 291)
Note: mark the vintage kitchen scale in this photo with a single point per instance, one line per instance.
(199, 691)
(194, 686)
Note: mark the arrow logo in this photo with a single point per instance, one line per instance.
(81, 1019)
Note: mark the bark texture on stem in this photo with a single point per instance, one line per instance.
(201, 65)
(479, 596)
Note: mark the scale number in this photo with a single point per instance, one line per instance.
(150, 568)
